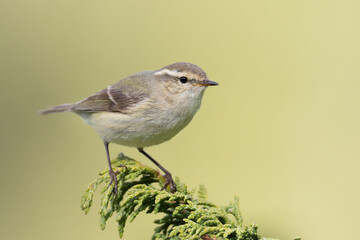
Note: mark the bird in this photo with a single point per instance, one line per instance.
(143, 109)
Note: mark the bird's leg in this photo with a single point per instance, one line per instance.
(167, 176)
(111, 171)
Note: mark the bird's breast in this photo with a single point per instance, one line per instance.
(150, 123)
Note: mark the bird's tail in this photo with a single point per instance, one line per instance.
(56, 109)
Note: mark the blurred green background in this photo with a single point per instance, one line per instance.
(282, 131)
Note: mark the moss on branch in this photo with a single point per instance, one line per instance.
(186, 214)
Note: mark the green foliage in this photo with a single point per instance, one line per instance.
(186, 215)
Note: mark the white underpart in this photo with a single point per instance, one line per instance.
(150, 122)
(169, 72)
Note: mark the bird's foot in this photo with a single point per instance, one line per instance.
(113, 178)
(169, 181)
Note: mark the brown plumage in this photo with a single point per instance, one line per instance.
(143, 109)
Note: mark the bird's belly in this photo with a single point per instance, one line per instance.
(136, 130)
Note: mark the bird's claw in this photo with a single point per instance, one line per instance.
(169, 181)
(113, 178)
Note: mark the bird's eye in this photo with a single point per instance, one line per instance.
(183, 79)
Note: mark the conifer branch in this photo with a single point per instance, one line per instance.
(186, 214)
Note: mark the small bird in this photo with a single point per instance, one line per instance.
(143, 109)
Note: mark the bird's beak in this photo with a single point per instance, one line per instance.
(205, 83)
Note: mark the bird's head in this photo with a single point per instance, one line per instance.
(183, 78)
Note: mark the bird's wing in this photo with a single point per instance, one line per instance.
(115, 98)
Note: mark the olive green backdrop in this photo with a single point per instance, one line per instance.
(282, 131)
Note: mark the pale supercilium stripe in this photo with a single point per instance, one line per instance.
(169, 72)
